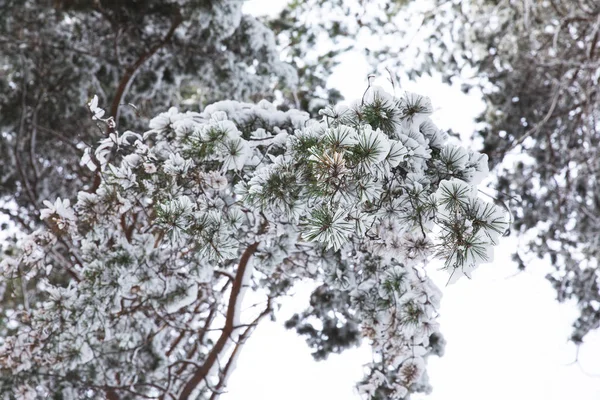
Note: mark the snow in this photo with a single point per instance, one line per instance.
(507, 335)
(506, 338)
(190, 296)
(245, 284)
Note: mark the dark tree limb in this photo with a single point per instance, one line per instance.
(228, 329)
(131, 71)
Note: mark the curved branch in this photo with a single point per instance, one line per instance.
(228, 329)
(131, 71)
(243, 337)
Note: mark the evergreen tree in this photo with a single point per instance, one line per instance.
(135, 288)
(537, 64)
(138, 56)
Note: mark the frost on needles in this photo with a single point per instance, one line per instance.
(186, 217)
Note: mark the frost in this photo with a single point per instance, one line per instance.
(97, 112)
(153, 254)
(177, 165)
(191, 295)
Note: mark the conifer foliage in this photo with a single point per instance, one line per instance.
(537, 64)
(139, 282)
(139, 56)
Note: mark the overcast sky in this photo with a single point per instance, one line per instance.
(507, 337)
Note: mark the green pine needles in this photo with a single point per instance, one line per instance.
(204, 206)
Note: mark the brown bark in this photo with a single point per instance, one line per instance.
(212, 357)
(242, 338)
(130, 71)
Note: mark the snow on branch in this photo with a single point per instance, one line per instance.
(204, 206)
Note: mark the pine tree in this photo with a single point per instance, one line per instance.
(537, 65)
(135, 288)
(137, 56)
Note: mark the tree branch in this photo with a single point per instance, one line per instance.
(130, 71)
(226, 370)
(212, 357)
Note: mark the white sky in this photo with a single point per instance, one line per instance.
(507, 337)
